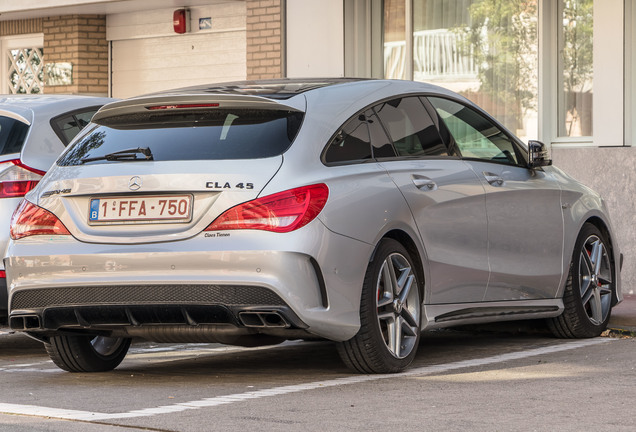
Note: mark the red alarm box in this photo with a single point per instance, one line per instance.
(181, 21)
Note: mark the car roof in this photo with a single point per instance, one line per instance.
(285, 88)
(296, 94)
(27, 107)
(282, 88)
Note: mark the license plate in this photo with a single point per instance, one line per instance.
(168, 208)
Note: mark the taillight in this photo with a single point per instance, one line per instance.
(281, 212)
(16, 179)
(29, 219)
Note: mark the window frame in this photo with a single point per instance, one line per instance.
(624, 119)
(630, 73)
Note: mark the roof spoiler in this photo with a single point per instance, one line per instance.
(195, 102)
(15, 116)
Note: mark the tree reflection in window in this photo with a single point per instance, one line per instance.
(576, 68)
(81, 148)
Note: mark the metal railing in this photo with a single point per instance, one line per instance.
(437, 54)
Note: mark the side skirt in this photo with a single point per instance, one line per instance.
(448, 315)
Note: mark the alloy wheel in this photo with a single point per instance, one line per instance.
(398, 305)
(106, 346)
(595, 280)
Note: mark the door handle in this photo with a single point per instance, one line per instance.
(424, 183)
(493, 179)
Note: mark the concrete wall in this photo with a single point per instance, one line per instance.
(611, 171)
(315, 38)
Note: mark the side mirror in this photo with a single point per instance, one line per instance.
(538, 155)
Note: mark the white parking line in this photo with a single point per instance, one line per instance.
(188, 351)
(277, 391)
(27, 367)
(152, 354)
(23, 365)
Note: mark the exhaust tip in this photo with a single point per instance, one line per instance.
(274, 320)
(251, 319)
(263, 319)
(25, 322)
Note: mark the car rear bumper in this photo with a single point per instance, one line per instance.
(307, 280)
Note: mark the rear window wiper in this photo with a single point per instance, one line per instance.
(128, 155)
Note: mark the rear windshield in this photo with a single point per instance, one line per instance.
(12, 135)
(202, 135)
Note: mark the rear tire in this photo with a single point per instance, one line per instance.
(390, 314)
(87, 353)
(589, 290)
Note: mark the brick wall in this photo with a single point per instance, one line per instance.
(265, 48)
(80, 40)
(18, 27)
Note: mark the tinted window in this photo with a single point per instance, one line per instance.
(382, 146)
(475, 136)
(12, 135)
(67, 126)
(351, 143)
(203, 135)
(410, 128)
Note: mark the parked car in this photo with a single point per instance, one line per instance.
(34, 129)
(359, 211)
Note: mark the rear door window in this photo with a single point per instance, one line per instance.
(217, 134)
(410, 127)
(12, 135)
(382, 146)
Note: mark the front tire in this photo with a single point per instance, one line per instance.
(390, 314)
(87, 353)
(589, 289)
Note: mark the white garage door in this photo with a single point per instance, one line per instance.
(142, 63)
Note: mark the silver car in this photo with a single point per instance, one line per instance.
(34, 129)
(248, 213)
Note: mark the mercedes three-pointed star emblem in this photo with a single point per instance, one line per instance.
(134, 183)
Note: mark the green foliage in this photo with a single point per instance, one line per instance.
(502, 36)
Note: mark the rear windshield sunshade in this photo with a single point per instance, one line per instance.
(194, 135)
(12, 135)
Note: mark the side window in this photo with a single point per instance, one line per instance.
(382, 147)
(475, 136)
(410, 128)
(12, 135)
(351, 143)
(68, 125)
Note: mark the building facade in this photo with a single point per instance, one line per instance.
(561, 71)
